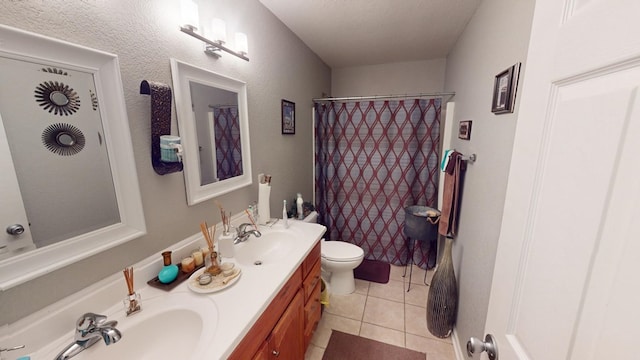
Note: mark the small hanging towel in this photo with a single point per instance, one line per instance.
(160, 122)
(453, 177)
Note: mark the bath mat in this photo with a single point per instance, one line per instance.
(346, 346)
(373, 270)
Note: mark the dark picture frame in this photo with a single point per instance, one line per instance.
(288, 117)
(504, 90)
(464, 130)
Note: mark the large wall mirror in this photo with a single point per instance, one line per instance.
(68, 183)
(214, 127)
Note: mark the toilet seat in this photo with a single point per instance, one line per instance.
(340, 251)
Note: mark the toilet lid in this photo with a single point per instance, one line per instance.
(340, 251)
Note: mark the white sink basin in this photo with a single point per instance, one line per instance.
(270, 248)
(173, 326)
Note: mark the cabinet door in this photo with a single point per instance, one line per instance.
(287, 338)
(312, 313)
(263, 353)
(310, 282)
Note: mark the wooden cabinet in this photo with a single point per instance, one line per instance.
(263, 352)
(285, 341)
(311, 287)
(285, 328)
(312, 310)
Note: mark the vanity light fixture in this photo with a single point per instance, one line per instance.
(217, 32)
(214, 47)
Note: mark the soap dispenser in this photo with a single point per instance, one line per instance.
(299, 209)
(285, 219)
(169, 272)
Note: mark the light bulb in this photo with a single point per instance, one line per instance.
(242, 45)
(190, 18)
(218, 30)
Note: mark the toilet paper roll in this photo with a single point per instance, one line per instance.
(264, 192)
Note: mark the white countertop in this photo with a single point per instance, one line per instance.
(238, 307)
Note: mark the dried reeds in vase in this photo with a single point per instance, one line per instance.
(442, 303)
(132, 302)
(209, 236)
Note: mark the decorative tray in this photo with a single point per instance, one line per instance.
(155, 282)
(219, 282)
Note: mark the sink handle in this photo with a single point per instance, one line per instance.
(89, 321)
(240, 229)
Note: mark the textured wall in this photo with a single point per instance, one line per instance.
(395, 78)
(144, 34)
(489, 45)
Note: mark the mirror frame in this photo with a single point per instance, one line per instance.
(182, 74)
(23, 45)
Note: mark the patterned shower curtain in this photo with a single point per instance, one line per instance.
(373, 159)
(227, 140)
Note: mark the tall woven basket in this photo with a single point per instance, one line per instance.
(442, 303)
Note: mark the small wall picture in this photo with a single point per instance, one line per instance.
(464, 130)
(504, 90)
(288, 117)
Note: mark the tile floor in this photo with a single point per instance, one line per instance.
(386, 313)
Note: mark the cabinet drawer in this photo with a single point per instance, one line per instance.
(311, 281)
(312, 312)
(311, 259)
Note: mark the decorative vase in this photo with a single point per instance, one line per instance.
(442, 303)
(169, 272)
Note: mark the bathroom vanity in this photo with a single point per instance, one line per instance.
(286, 327)
(271, 311)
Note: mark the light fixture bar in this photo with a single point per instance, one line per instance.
(212, 44)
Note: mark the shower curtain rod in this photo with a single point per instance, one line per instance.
(449, 95)
(221, 106)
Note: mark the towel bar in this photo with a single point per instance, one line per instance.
(470, 158)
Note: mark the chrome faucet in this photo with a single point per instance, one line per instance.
(242, 234)
(90, 328)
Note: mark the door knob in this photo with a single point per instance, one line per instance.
(15, 229)
(475, 345)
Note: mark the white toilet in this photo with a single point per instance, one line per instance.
(338, 259)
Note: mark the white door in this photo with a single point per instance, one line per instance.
(565, 284)
(12, 211)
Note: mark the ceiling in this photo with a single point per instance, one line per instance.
(348, 33)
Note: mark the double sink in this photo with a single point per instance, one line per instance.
(185, 325)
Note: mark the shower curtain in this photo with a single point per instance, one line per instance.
(374, 158)
(227, 141)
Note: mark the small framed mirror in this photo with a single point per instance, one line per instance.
(214, 128)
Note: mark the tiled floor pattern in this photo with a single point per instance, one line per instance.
(386, 313)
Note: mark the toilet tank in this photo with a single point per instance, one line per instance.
(312, 217)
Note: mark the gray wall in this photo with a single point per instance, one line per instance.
(496, 37)
(410, 77)
(144, 34)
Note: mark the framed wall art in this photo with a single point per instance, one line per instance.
(504, 90)
(288, 117)
(464, 130)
